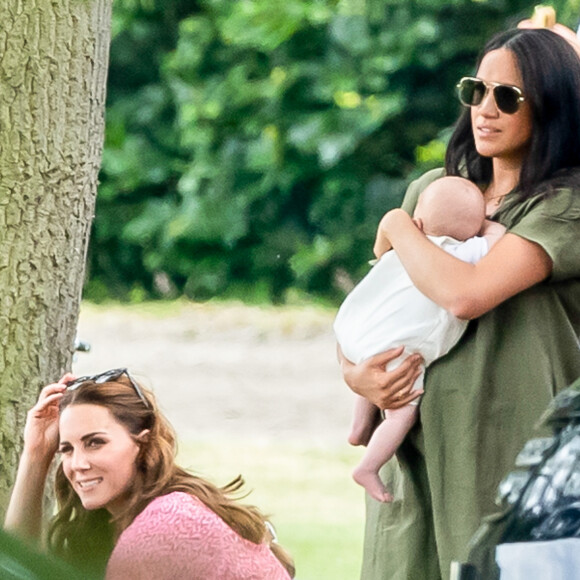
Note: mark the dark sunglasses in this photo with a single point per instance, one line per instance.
(472, 91)
(107, 376)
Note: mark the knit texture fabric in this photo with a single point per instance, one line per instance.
(177, 537)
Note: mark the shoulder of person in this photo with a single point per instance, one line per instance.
(173, 512)
(177, 504)
(429, 176)
(563, 201)
(417, 186)
(558, 199)
(168, 539)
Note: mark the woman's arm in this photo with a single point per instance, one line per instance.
(467, 290)
(24, 513)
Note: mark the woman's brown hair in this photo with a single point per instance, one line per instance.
(86, 538)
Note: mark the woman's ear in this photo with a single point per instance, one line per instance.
(143, 437)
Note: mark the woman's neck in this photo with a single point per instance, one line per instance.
(505, 178)
(506, 174)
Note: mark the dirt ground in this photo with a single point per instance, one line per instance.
(223, 370)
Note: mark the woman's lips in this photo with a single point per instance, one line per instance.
(487, 131)
(87, 484)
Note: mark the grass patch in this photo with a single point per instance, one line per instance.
(318, 511)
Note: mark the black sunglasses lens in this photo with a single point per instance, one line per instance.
(506, 98)
(99, 379)
(108, 376)
(471, 92)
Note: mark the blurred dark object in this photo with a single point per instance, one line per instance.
(464, 572)
(564, 409)
(82, 346)
(20, 562)
(547, 506)
(541, 499)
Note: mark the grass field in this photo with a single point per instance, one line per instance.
(317, 510)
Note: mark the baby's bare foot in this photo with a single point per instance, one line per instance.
(371, 481)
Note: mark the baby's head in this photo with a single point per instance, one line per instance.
(451, 206)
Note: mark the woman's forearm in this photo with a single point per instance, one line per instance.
(466, 290)
(440, 276)
(24, 513)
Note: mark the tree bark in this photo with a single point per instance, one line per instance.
(53, 68)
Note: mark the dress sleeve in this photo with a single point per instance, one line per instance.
(554, 224)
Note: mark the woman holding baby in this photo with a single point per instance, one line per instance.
(518, 140)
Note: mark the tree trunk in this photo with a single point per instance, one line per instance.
(53, 67)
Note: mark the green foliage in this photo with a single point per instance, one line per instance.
(253, 146)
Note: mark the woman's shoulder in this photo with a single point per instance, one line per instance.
(426, 178)
(178, 536)
(170, 509)
(169, 536)
(561, 193)
(563, 200)
(559, 200)
(170, 517)
(172, 500)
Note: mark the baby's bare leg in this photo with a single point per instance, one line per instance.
(365, 419)
(382, 446)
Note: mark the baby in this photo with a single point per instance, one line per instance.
(385, 310)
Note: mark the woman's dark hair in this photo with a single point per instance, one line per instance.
(86, 538)
(550, 70)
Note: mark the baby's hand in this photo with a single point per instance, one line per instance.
(492, 232)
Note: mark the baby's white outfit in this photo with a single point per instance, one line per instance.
(385, 310)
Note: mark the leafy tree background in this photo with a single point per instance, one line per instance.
(252, 146)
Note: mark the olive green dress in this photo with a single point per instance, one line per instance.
(481, 403)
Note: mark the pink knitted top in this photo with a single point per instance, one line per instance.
(177, 537)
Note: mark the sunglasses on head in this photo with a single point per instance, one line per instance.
(107, 376)
(472, 91)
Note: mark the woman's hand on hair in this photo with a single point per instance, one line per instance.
(385, 389)
(41, 429)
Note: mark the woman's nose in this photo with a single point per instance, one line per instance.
(79, 461)
(488, 105)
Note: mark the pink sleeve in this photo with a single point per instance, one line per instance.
(177, 536)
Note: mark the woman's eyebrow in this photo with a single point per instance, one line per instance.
(89, 435)
(85, 437)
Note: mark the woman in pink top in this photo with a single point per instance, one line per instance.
(124, 505)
